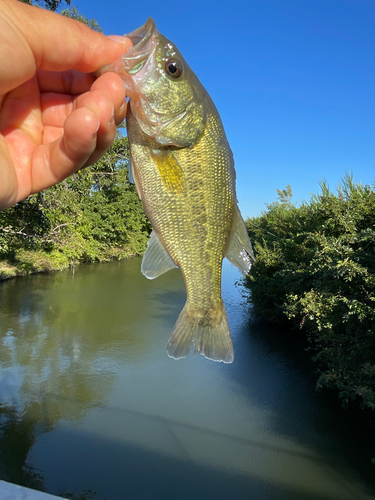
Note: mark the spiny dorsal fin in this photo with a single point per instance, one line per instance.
(156, 260)
(133, 177)
(130, 171)
(240, 252)
(169, 170)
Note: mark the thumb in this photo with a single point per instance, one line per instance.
(53, 42)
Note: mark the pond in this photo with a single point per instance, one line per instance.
(91, 406)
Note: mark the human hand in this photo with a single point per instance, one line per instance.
(55, 116)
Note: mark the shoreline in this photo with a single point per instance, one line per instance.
(27, 262)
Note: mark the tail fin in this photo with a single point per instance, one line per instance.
(211, 338)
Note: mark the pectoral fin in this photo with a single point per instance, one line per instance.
(240, 252)
(156, 260)
(169, 170)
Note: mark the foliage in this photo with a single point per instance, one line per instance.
(74, 14)
(316, 267)
(47, 4)
(94, 215)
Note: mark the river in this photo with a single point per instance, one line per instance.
(93, 408)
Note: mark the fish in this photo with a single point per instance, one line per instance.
(183, 169)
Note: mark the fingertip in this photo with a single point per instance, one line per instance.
(80, 134)
(112, 85)
(120, 114)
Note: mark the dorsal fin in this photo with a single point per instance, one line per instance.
(133, 176)
(130, 171)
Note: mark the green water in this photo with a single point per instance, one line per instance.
(91, 407)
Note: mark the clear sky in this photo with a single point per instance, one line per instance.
(293, 80)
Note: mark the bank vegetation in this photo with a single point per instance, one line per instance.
(95, 215)
(315, 270)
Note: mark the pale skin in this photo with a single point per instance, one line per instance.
(55, 116)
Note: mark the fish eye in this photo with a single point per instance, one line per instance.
(174, 68)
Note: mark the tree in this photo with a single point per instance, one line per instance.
(74, 14)
(47, 4)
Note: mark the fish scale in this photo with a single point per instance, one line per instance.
(184, 173)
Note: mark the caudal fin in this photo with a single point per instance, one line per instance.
(211, 337)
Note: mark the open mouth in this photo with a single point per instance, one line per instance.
(142, 39)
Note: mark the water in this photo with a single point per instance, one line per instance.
(93, 408)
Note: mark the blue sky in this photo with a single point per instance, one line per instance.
(293, 80)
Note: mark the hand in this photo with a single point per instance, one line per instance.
(55, 116)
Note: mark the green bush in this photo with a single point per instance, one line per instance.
(94, 215)
(316, 268)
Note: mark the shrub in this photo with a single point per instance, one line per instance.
(316, 268)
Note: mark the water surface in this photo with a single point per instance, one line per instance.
(92, 407)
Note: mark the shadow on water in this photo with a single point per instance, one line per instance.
(92, 407)
(151, 476)
(136, 472)
(314, 418)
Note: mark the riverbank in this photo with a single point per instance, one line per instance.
(25, 262)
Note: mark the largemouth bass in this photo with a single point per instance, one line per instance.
(184, 173)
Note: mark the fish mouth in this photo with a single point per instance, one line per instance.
(142, 40)
(135, 63)
(138, 60)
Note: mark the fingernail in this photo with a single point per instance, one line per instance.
(121, 39)
(112, 120)
(122, 105)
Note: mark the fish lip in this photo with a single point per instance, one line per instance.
(142, 39)
(141, 35)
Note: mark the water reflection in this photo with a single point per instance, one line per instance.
(96, 409)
